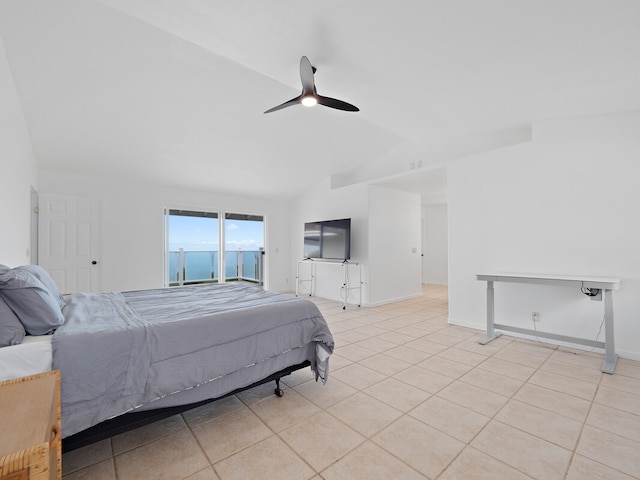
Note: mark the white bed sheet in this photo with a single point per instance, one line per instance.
(34, 355)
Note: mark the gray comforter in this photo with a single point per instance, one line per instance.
(120, 351)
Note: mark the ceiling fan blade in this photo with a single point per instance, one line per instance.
(334, 103)
(306, 76)
(293, 101)
(309, 92)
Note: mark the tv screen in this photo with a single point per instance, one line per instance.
(328, 240)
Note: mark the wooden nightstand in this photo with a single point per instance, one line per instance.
(30, 433)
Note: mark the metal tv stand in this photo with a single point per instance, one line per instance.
(598, 288)
(347, 285)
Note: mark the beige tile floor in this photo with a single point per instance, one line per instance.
(409, 396)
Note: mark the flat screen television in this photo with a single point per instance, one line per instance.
(328, 240)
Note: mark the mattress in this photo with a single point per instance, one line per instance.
(34, 355)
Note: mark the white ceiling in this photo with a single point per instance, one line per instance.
(172, 92)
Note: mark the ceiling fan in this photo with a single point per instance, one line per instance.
(309, 96)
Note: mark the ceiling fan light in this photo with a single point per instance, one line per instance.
(309, 101)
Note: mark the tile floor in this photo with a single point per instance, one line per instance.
(409, 396)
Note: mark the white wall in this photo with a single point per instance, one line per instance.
(132, 226)
(385, 227)
(394, 245)
(435, 263)
(18, 173)
(323, 203)
(566, 203)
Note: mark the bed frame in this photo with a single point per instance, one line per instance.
(132, 420)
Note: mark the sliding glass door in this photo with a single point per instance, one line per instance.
(193, 253)
(243, 247)
(193, 240)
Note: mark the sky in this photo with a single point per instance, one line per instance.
(201, 234)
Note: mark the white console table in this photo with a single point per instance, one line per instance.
(604, 284)
(347, 285)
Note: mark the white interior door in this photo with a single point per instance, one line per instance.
(68, 242)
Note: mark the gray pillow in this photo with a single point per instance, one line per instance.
(11, 330)
(42, 275)
(4, 268)
(35, 307)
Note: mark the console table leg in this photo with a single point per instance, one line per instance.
(610, 357)
(491, 334)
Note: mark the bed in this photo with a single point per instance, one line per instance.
(127, 358)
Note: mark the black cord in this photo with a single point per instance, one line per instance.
(590, 292)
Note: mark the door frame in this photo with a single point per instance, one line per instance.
(221, 213)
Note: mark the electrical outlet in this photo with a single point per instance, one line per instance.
(535, 316)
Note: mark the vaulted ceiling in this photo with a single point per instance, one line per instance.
(173, 92)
